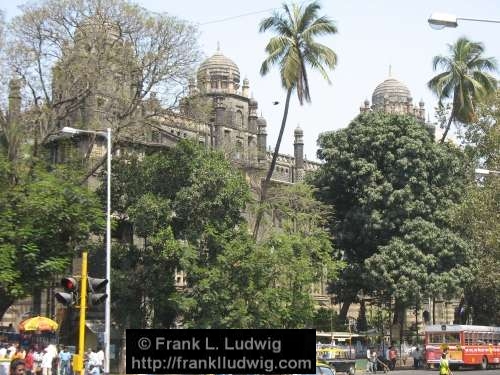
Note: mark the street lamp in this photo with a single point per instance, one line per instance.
(483, 172)
(107, 314)
(442, 20)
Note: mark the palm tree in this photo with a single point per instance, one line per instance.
(465, 79)
(291, 50)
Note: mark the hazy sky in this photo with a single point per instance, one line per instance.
(373, 34)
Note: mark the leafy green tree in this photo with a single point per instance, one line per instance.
(265, 285)
(292, 49)
(478, 217)
(385, 177)
(171, 201)
(465, 80)
(44, 215)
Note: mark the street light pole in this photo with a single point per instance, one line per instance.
(107, 313)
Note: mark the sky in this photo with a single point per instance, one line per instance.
(372, 35)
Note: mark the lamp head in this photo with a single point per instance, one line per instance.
(70, 130)
(441, 20)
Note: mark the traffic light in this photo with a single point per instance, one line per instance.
(69, 296)
(95, 286)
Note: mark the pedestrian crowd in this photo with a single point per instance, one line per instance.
(45, 360)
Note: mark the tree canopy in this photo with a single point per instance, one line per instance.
(465, 80)
(478, 216)
(98, 64)
(391, 187)
(44, 215)
(172, 201)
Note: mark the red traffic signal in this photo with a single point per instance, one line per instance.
(69, 296)
(69, 284)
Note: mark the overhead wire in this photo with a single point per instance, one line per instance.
(237, 16)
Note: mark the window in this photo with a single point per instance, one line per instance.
(239, 150)
(452, 338)
(238, 119)
(155, 136)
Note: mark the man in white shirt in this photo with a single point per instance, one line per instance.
(100, 358)
(47, 359)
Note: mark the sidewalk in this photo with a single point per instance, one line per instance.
(400, 365)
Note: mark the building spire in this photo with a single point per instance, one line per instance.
(390, 70)
(218, 46)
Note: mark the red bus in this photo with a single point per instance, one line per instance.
(467, 345)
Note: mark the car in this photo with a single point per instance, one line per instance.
(322, 369)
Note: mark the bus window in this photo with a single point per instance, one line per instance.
(452, 338)
(435, 338)
(467, 338)
(496, 339)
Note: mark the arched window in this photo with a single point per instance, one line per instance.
(239, 119)
(239, 150)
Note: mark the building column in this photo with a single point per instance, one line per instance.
(219, 122)
(298, 151)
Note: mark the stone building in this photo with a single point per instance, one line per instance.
(218, 113)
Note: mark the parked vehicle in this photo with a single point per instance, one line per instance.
(466, 345)
(341, 360)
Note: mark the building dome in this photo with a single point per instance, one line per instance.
(261, 121)
(219, 73)
(392, 90)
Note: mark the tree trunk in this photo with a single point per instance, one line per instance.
(5, 303)
(37, 301)
(265, 183)
(344, 309)
(448, 125)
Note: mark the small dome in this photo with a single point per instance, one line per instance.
(298, 130)
(391, 89)
(246, 82)
(367, 102)
(217, 66)
(252, 102)
(261, 121)
(421, 103)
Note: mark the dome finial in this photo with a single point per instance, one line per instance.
(390, 70)
(218, 46)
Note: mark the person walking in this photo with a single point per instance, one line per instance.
(368, 360)
(47, 359)
(393, 355)
(64, 362)
(374, 357)
(29, 361)
(444, 366)
(37, 360)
